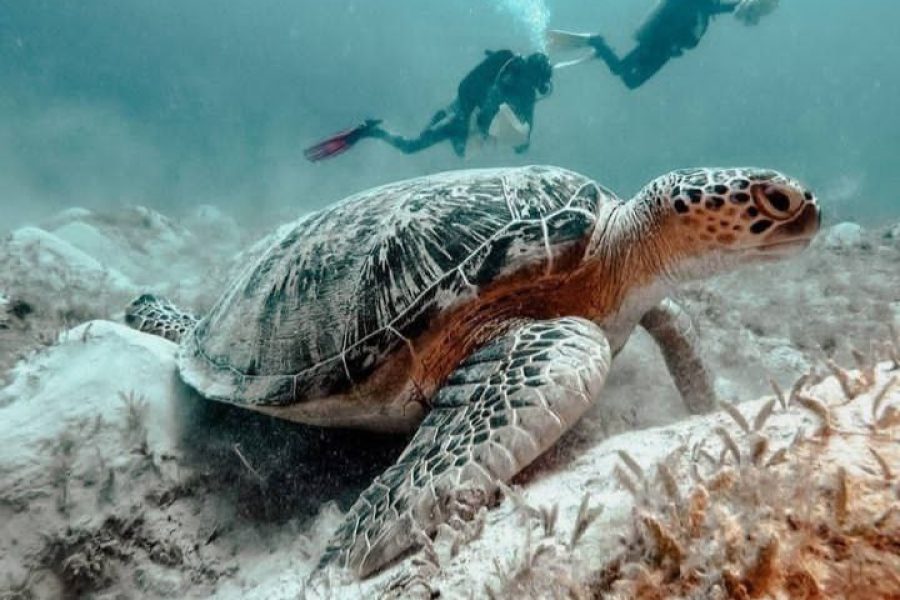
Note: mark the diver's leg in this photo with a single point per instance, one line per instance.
(430, 136)
(459, 141)
(641, 64)
(439, 116)
(606, 54)
(488, 110)
(674, 333)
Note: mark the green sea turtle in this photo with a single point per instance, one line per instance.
(479, 309)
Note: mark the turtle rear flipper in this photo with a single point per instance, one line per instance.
(498, 411)
(156, 315)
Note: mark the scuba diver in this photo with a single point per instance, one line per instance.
(495, 101)
(671, 28)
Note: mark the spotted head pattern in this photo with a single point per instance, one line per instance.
(713, 218)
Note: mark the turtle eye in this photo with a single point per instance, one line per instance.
(775, 201)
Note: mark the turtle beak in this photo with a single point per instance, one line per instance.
(796, 234)
(803, 226)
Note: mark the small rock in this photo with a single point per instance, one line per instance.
(845, 236)
(158, 582)
(166, 554)
(726, 388)
(893, 233)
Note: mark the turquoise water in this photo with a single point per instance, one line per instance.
(116, 480)
(172, 103)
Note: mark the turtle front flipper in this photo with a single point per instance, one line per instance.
(676, 337)
(499, 410)
(156, 315)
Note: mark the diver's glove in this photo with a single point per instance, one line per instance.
(749, 12)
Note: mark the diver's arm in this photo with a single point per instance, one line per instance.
(725, 6)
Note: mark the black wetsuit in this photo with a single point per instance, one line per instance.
(502, 77)
(673, 27)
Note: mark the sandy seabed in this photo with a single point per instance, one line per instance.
(117, 482)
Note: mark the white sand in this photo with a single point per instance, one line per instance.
(65, 405)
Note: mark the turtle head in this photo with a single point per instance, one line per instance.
(710, 220)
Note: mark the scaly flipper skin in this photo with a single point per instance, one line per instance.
(674, 332)
(499, 410)
(156, 315)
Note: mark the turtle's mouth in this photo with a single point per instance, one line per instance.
(793, 236)
(779, 250)
(784, 245)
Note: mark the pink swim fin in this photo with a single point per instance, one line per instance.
(340, 142)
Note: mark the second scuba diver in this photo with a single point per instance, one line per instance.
(495, 101)
(671, 28)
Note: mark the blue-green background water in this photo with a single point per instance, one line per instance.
(173, 103)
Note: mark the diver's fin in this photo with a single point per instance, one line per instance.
(575, 61)
(340, 142)
(567, 40)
